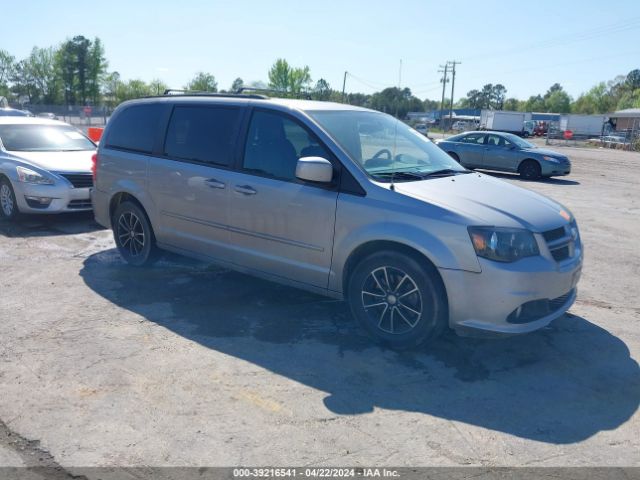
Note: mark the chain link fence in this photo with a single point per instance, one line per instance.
(608, 137)
(78, 116)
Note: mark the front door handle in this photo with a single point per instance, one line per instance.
(213, 183)
(245, 189)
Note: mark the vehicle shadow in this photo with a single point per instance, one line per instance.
(559, 385)
(50, 225)
(544, 180)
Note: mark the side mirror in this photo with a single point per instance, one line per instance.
(314, 169)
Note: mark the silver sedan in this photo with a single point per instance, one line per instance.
(45, 167)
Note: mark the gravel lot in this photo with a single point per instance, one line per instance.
(187, 364)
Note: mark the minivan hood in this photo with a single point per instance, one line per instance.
(78, 161)
(488, 201)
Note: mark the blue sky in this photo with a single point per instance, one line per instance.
(526, 46)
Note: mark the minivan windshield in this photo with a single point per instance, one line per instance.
(385, 147)
(43, 138)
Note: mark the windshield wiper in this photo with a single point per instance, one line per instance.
(445, 172)
(398, 175)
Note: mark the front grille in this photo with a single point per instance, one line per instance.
(561, 253)
(79, 180)
(78, 204)
(561, 243)
(553, 235)
(536, 309)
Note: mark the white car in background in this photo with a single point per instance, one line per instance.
(45, 167)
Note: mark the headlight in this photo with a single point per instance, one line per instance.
(29, 176)
(551, 159)
(503, 244)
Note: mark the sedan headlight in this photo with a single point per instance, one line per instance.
(551, 159)
(503, 244)
(29, 176)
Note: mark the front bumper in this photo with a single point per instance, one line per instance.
(64, 198)
(550, 169)
(490, 300)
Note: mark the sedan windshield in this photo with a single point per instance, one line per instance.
(43, 138)
(385, 147)
(518, 141)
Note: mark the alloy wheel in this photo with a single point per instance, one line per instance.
(6, 200)
(131, 233)
(392, 300)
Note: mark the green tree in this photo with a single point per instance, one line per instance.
(288, 79)
(633, 79)
(96, 70)
(203, 82)
(237, 84)
(512, 104)
(396, 101)
(157, 86)
(535, 103)
(7, 67)
(81, 66)
(322, 90)
(596, 100)
(558, 102)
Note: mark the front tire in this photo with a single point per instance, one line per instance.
(8, 204)
(133, 235)
(400, 302)
(530, 170)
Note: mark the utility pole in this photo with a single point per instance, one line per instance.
(344, 84)
(444, 84)
(453, 83)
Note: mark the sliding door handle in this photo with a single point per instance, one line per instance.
(245, 189)
(213, 183)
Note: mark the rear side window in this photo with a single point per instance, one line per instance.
(472, 138)
(135, 128)
(203, 134)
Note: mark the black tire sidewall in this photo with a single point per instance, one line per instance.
(523, 170)
(148, 255)
(433, 320)
(16, 211)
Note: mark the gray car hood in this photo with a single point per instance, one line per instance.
(485, 200)
(79, 161)
(543, 151)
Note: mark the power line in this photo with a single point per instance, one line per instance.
(617, 27)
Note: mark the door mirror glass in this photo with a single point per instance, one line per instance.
(314, 169)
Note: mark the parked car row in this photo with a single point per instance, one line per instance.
(335, 199)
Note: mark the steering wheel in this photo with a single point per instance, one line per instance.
(377, 160)
(382, 152)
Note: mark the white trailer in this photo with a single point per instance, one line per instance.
(503, 121)
(582, 125)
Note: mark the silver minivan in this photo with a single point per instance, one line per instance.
(339, 200)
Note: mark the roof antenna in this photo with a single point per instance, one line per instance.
(395, 133)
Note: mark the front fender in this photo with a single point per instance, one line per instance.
(455, 253)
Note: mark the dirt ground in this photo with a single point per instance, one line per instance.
(186, 364)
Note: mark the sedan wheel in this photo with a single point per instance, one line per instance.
(8, 206)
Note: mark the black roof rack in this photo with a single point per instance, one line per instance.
(173, 91)
(241, 91)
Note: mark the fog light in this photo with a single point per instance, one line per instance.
(38, 202)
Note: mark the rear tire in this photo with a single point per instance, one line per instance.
(400, 302)
(8, 204)
(530, 170)
(454, 156)
(133, 235)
